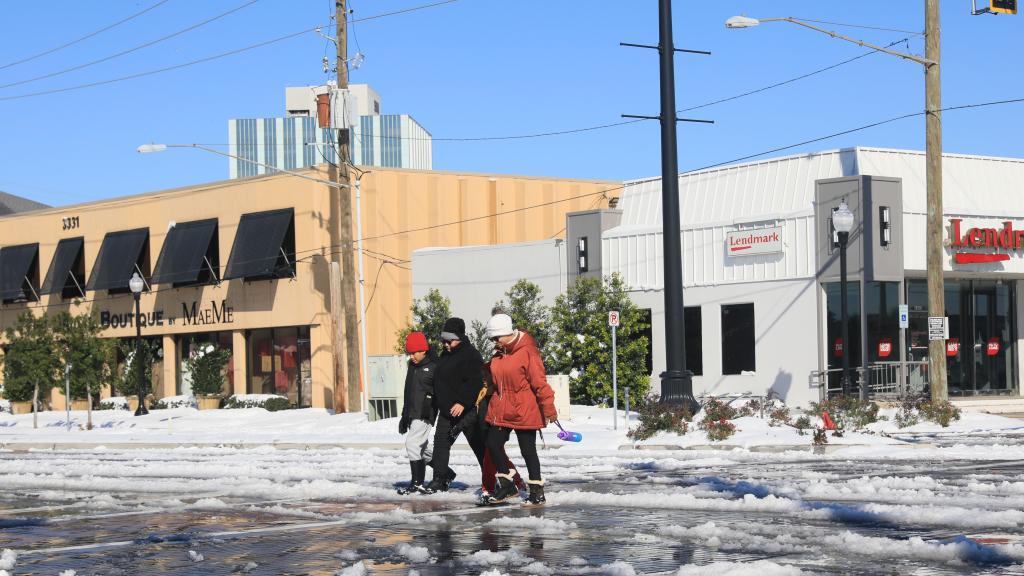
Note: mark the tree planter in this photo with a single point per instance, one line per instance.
(21, 407)
(208, 402)
(82, 405)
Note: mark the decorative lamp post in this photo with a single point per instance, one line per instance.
(842, 221)
(137, 284)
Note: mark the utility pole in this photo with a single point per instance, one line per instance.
(933, 178)
(346, 388)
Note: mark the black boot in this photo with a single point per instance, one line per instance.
(450, 475)
(418, 469)
(536, 496)
(504, 488)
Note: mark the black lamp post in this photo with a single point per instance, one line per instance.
(842, 221)
(136, 284)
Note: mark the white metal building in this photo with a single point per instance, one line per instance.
(768, 316)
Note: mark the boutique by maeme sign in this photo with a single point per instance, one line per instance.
(193, 314)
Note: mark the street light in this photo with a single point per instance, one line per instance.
(842, 221)
(136, 284)
(933, 169)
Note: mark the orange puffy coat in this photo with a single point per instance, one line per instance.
(522, 398)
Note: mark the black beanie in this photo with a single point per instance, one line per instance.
(455, 326)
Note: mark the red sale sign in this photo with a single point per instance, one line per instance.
(838, 348)
(884, 347)
(952, 347)
(993, 346)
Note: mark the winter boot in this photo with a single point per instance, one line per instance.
(418, 468)
(451, 473)
(436, 485)
(504, 489)
(536, 496)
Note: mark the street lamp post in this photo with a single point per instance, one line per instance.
(933, 169)
(136, 284)
(842, 221)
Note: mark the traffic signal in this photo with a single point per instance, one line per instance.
(1004, 6)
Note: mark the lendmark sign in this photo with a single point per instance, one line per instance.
(751, 242)
(1005, 238)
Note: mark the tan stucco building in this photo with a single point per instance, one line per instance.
(246, 263)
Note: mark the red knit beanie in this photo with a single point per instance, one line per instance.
(416, 342)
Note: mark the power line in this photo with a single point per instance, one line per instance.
(164, 69)
(860, 26)
(82, 38)
(134, 49)
(405, 11)
(791, 80)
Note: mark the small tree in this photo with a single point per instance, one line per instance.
(206, 367)
(428, 316)
(30, 359)
(77, 339)
(523, 303)
(127, 380)
(581, 342)
(478, 337)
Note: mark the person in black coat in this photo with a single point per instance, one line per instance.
(456, 385)
(418, 412)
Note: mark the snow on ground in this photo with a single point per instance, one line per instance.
(319, 426)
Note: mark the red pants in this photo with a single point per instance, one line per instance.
(487, 472)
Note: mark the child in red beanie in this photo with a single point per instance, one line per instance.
(418, 414)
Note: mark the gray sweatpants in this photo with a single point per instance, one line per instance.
(417, 441)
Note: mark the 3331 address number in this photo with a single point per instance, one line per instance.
(70, 222)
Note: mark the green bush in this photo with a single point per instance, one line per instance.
(271, 404)
(715, 410)
(206, 367)
(80, 346)
(657, 417)
(941, 412)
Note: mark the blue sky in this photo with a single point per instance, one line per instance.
(477, 68)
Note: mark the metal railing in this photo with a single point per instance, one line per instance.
(382, 408)
(884, 380)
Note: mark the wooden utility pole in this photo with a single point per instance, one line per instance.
(347, 388)
(933, 169)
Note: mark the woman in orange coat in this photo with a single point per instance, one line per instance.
(522, 402)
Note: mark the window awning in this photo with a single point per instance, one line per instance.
(15, 264)
(259, 243)
(117, 258)
(183, 252)
(65, 259)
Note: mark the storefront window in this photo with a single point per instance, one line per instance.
(126, 383)
(694, 345)
(738, 338)
(980, 349)
(281, 364)
(836, 347)
(189, 344)
(881, 306)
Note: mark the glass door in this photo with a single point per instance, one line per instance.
(979, 351)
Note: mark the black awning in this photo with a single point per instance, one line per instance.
(67, 258)
(258, 245)
(181, 258)
(15, 264)
(116, 261)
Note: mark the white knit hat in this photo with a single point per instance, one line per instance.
(499, 325)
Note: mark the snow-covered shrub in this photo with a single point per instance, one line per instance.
(718, 430)
(206, 367)
(942, 412)
(753, 407)
(269, 402)
(820, 437)
(114, 403)
(848, 412)
(779, 417)
(185, 401)
(802, 424)
(657, 417)
(715, 410)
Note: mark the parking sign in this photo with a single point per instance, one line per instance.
(613, 318)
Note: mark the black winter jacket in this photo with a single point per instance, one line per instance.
(459, 377)
(419, 390)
